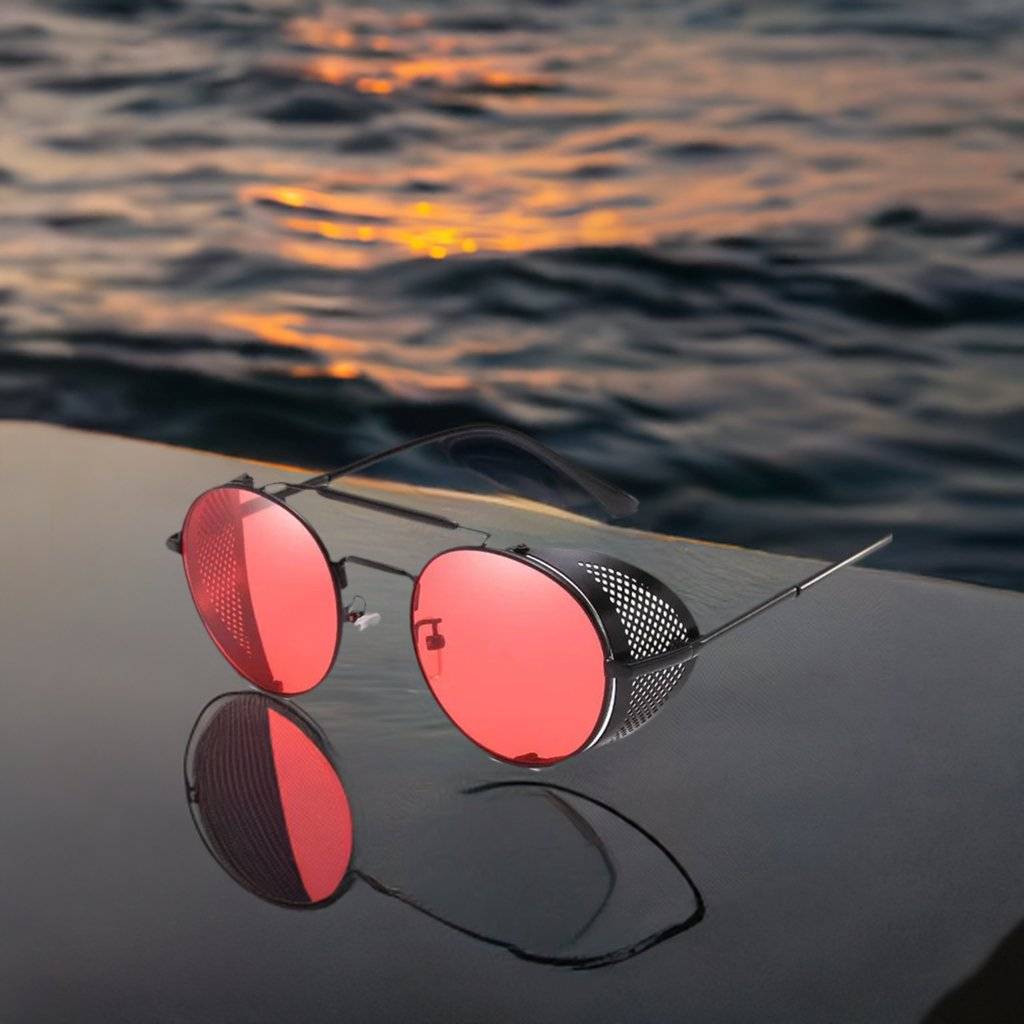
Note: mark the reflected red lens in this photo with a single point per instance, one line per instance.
(510, 654)
(263, 588)
(315, 808)
(268, 801)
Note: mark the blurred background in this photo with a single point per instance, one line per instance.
(760, 263)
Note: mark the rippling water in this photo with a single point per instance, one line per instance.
(763, 264)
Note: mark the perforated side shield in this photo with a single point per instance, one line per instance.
(639, 617)
(217, 557)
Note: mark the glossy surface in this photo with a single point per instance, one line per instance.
(841, 782)
(510, 654)
(762, 263)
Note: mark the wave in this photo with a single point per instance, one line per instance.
(780, 313)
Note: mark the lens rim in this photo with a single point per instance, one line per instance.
(336, 588)
(604, 716)
(312, 731)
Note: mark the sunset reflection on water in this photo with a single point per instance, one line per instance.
(723, 229)
(658, 137)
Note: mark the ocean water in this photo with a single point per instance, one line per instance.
(761, 264)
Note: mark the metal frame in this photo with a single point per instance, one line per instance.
(559, 564)
(615, 501)
(687, 652)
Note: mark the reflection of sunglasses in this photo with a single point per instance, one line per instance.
(534, 654)
(269, 805)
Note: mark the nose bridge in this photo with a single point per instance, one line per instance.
(368, 563)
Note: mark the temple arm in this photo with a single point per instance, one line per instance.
(613, 500)
(687, 652)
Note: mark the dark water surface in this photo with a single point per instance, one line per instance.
(763, 264)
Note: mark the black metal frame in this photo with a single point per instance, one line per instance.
(615, 501)
(560, 564)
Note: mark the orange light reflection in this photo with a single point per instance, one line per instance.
(286, 329)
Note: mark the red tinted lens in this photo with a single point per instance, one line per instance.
(510, 655)
(263, 587)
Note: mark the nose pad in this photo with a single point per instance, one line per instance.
(434, 642)
(359, 616)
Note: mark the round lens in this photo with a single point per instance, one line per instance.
(269, 802)
(263, 588)
(510, 654)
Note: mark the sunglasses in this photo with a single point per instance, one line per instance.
(535, 654)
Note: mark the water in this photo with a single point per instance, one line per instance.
(761, 264)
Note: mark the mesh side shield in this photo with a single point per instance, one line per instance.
(239, 803)
(652, 626)
(217, 550)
